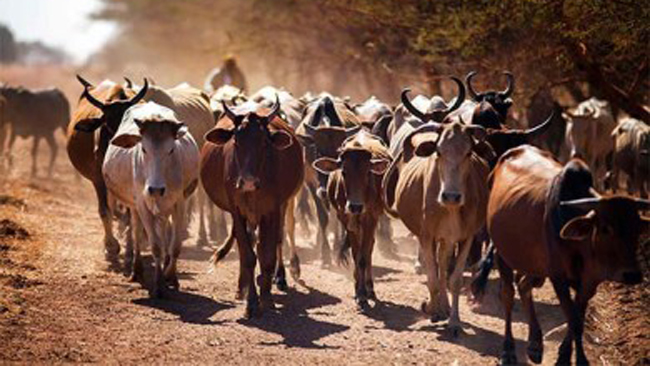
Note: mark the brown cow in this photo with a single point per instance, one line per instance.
(565, 231)
(441, 195)
(354, 191)
(632, 155)
(100, 107)
(252, 168)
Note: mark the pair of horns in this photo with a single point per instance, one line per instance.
(268, 118)
(438, 115)
(505, 93)
(94, 101)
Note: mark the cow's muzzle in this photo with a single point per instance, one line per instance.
(156, 191)
(448, 198)
(247, 184)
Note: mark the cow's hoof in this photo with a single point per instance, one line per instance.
(508, 358)
(173, 283)
(294, 268)
(418, 268)
(267, 304)
(281, 284)
(535, 353)
(372, 295)
(252, 310)
(455, 330)
(362, 305)
(111, 250)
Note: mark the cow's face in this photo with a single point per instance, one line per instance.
(251, 139)
(454, 150)
(611, 230)
(358, 170)
(158, 151)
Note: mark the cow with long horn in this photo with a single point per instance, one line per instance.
(100, 108)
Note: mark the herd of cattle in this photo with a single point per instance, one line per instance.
(452, 172)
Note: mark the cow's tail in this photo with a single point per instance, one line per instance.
(480, 281)
(344, 252)
(222, 252)
(388, 187)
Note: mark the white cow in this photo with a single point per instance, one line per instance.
(151, 166)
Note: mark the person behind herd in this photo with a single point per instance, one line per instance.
(228, 74)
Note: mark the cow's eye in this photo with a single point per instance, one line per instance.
(171, 151)
(144, 150)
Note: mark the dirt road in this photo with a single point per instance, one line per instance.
(60, 302)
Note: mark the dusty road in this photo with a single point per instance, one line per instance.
(59, 301)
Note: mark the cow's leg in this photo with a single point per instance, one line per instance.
(321, 234)
(217, 223)
(385, 238)
(445, 253)
(156, 242)
(290, 222)
(508, 355)
(428, 252)
(535, 349)
(10, 149)
(247, 261)
(561, 288)
(202, 203)
(304, 211)
(137, 271)
(456, 282)
(37, 140)
(583, 295)
(360, 293)
(368, 243)
(54, 149)
(267, 249)
(175, 242)
(129, 237)
(111, 245)
(280, 276)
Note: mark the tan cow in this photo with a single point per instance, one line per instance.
(441, 195)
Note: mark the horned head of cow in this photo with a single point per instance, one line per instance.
(112, 112)
(612, 226)
(500, 100)
(252, 140)
(503, 140)
(439, 114)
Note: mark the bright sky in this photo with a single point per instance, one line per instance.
(61, 23)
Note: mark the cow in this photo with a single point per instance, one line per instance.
(228, 74)
(100, 110)
(632, 155)
(588, 135)
(327, 122)
(541, 102)
(498, 100)
(440, 194)
(192, 106)
(354, 191)
(151, 166)
(252, 166)
(37, 113)
(292, 108)
(375, 116)
(565, 231)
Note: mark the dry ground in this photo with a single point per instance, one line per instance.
(59, 301)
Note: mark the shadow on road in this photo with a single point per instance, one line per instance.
(189, 307)
(293, 322)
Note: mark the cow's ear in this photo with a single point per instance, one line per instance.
(126, 140)
(379, 166)
(88, 125)
(219, 136)
(579, 228)
(326, 165)
(281, 140)
(425, 148)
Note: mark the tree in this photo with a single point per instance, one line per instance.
(8, 52)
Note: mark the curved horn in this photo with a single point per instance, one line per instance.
(138, 97)
(642, 205)
(511, 84)
(274, 111)
(468, 81)
(129, 83)
(410, 107)
(540, 129)
(229, 113)
(582, 203)
(460, 98)
(86, 94)
(352, 130)
(84, 82)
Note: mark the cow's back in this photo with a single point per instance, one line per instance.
(192, 106)
(515, 214)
